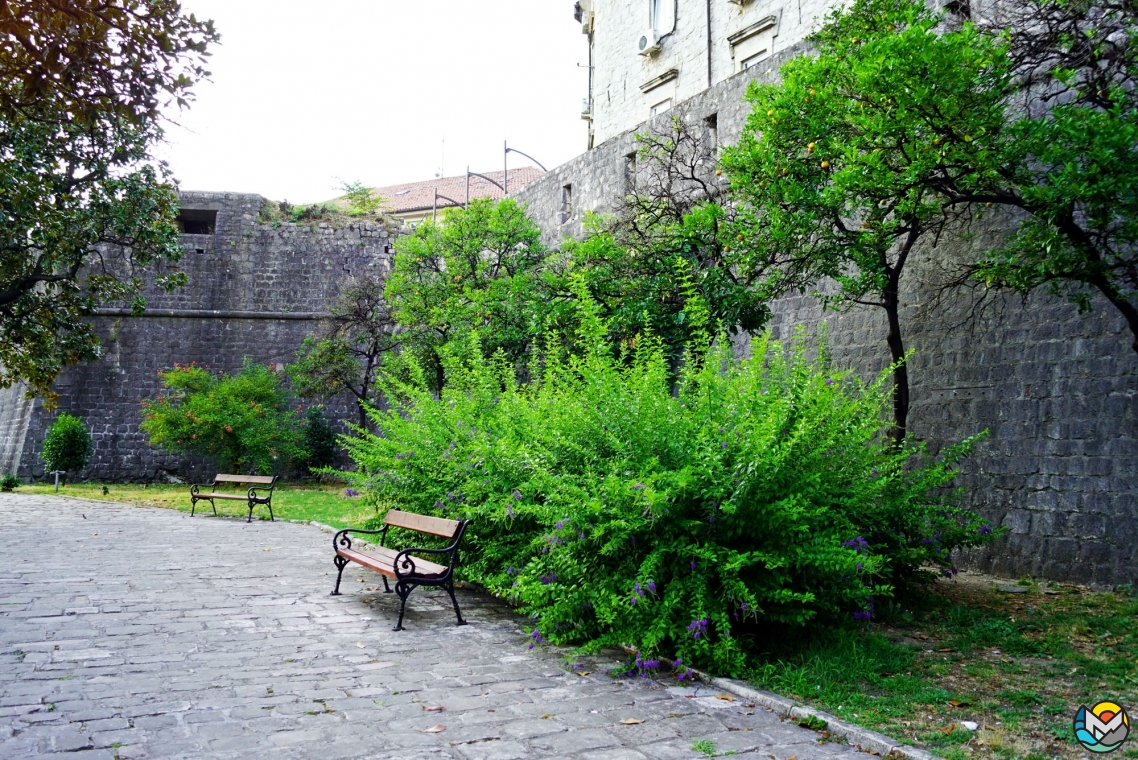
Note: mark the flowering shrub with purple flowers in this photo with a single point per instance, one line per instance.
(617, 508)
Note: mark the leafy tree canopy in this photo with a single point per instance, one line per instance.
(83, 211)
(483, 268)
(838, 173)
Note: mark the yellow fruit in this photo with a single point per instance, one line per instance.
(988, 204)
(825, 164)
(855, 40)
(812, 92)
(810, 147)
(770, 112)
(741, 236)
(936, 141)
(718, 172)
(785, 172)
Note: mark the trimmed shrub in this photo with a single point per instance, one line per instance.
(67, 445)
(9, 483)
(616, 509)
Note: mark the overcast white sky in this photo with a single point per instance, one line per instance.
(304, 94)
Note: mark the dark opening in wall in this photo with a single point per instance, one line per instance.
(630, 173)
(196, 221)
(566, 203)
(711, 123)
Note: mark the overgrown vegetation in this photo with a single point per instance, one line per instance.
(616, 509)
(245, 422)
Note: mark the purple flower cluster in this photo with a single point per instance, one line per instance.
(536, 636)
(517, 494)
(510, 511)
(865, 614)
(698, 628)
(511, 570)
(985, 530)
(638, 487)
(857, 543)
(548, 579)
(351, 493)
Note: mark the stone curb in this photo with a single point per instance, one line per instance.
(870, 741)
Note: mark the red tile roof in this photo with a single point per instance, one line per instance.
(419, 196)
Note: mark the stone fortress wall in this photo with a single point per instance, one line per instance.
(255, 290)
(1057, 391)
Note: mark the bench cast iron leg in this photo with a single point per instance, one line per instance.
(271, 517)
(340, 564)
(251, 505)
(193, 505)
(386, 588)
(404, 591)
(450, 590)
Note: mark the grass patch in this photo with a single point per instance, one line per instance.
(305, 502)
(1019, 665)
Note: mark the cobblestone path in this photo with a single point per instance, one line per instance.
(145, 633)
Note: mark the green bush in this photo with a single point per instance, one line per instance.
(9, 483)
(244, 421)
(616, 509)
(319, 439)
(67, 445)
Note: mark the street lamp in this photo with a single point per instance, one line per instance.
(506, 151)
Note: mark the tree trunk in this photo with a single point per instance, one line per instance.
(1122, 304)
(901, 371)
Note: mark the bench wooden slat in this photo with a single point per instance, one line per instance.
(233, 496)
(435, 526)
(262, 480)
(381, 561)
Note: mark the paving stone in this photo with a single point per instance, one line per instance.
(246, 654)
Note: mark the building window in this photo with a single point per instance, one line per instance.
(660, 107)
(655, 10)
(752, 60)
(630, 173)
(566, 203)
(197, 221)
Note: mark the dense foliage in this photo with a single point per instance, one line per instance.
(67, 445)
(244, 421)
(9, 483)
(616, 511)
(319, 440)
(84, 212)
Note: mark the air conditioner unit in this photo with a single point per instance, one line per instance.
(586, 109)
(648, 43)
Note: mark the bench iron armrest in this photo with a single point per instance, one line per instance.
(342, 541)
(404, 559)
(259, 499)
(196, 488)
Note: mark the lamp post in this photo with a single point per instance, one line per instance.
(506, 151)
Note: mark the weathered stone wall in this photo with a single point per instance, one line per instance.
(1057, 391)
(255, 290)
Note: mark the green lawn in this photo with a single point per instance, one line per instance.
(324, 504)
(1018, 664)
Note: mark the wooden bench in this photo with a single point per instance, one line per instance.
(254, 496)
(407, 570)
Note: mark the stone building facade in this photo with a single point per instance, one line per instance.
(1057, 391)
(646, 56)
(255, 290)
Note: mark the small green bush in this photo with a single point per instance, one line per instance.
(319, 439)
(615, 509)
(245, 421)
(67, 445)
(9, 483)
